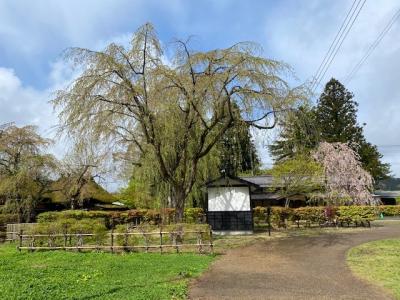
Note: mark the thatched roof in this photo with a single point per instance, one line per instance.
(91, 191)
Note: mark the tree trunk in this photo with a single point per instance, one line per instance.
(178, 200)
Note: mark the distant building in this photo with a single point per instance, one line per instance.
(387, 197)
(231, 201)
(92, 197)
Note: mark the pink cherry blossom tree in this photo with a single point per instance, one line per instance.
(346, 182)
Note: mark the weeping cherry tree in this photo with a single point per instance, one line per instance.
(170, 113)
(346, 182)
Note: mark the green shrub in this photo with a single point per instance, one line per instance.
(179, 232)
(390, 210)
(193, 215)
(125, 240)
(70, 226)
(72, 214)
(111, 219)
(356, 213)
(279, 215)
(319, 214)
(312, 214)
(8, 219)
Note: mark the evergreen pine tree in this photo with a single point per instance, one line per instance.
(298, 134)
(336, 117)
(238, 153)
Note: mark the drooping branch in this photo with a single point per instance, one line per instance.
(174, 113)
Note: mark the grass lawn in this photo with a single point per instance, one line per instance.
(379, 263)
(69, 275)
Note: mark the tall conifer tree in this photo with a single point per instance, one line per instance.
(333, 120)
(336, 117)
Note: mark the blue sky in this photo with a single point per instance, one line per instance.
(33, 35)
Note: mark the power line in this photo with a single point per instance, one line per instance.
(372, 47)
(317, 73)
(339, 42)
(337, 49)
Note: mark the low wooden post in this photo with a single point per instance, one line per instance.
(126, 238)
(79, 242)
(65, 241)
(269, 220)
(200, 241)
(112, 240)
(65, 236)
(175, 241)
(161, 241)
(146, 240)
(20, 240)
(211, 242)
(32, 243)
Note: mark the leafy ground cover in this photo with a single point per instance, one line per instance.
(70, 275)
(379, 263)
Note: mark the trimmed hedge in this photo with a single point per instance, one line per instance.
(390, 210)
(318, 214)
(152, 216)
(356, 214)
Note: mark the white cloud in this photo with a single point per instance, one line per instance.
(302, 36)
(32, 33)
(26, 105)
(22, 104)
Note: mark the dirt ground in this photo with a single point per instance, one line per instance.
(299, 267)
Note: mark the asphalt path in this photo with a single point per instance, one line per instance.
(300, 267)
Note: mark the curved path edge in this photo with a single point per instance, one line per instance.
(298, 267)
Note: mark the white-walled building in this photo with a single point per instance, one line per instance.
(231, 201)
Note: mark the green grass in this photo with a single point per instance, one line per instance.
(379, 263)
(68, 275)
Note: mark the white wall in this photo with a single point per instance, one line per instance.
(228, 199)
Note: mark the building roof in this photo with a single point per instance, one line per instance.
(387, 194)
(230, 181)
(266, 196)
(91, 190)
(261, 180)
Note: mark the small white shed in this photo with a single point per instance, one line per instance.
(229, 207)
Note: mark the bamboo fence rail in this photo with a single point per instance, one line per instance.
(203, 241)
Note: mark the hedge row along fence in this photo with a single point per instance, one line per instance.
(358, 215)
(134, 216)
(279, 216)
(93, 235)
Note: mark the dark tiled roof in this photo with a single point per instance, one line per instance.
(265, 196)
(387, 193)
(262, 180)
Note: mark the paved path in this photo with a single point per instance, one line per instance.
(292, 268)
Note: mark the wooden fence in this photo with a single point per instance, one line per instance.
(14, 229)
(167, 241)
